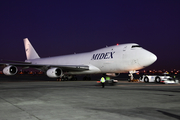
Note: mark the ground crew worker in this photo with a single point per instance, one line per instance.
(107, 78)
(174, 77)
(102, 81)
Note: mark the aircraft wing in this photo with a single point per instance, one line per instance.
(46, 66)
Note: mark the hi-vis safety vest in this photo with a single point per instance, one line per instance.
(102, 80)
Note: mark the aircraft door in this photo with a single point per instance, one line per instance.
(124, 49)
(124, 52)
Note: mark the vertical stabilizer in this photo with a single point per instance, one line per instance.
(30, 52)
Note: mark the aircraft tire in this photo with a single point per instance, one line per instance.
(64, 78)
(89, 78)
(84, 78)
(74, 78)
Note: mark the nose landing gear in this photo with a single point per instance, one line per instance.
(132, 77)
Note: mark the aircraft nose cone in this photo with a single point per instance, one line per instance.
(147, 58)
(152, 57)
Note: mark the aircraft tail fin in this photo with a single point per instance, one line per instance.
(30, 51)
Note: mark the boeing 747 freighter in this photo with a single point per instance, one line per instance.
(108, 60)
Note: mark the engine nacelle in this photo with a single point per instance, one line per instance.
(10, 70)
(113, 74)
(54, 73)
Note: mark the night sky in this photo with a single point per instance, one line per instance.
(58, 27)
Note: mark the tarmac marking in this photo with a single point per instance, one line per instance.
(153, 85)
(20, 108)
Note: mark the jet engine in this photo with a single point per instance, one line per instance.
(112, 74)
(54, 73)
(10, 70)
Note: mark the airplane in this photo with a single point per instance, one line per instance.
(112, 61)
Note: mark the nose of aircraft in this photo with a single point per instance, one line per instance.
(147, 58)
(152, 58)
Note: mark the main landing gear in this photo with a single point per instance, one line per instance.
(66, 78)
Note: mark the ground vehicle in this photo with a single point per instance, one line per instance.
(169, 81)
(154, 78)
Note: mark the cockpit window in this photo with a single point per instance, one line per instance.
(136, 46)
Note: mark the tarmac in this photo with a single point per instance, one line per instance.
(87, 100)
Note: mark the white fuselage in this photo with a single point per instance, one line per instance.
(113, 59)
